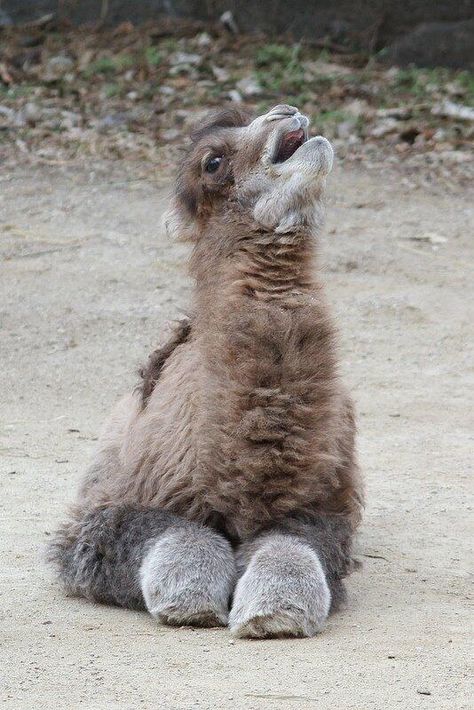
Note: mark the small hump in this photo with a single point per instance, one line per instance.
(151, 372)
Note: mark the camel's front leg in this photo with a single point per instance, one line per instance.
(182, 572)
(292, 579)
(188, 576)
(283, 591)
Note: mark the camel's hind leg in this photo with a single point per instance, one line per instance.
(183, 573)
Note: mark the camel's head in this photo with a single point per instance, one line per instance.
(266, 173)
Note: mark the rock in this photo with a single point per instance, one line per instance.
(235, 96)
(345, 129)
(167, 90)
(432, 44)
(392, 73)
(57, 67)
(170, 134)
(440, 136)
(220, 73)
(32, 113)
(358, 108)
(389, 125)
(398, 112)
(402, 147)
(227, 19)
(183, 69)
(249, 86)
(113, 121)
(455, 89)
(185, 58)
(70, 119)
(320, 68)
(206, 83)
(12, 118)
(203, 40)
(85, 59)
(181, 116)
(7, 113)
(452, 110)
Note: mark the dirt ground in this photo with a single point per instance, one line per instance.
(88, 281)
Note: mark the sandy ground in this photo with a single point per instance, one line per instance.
(87, 283)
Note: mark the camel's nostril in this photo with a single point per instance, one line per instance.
(281, 111)
(284, 109)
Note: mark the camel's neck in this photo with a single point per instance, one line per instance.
(267, 356)
(276, 270)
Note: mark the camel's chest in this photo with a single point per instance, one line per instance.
(236, 442)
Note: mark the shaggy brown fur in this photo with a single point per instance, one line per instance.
(242, 423)
(150, 373)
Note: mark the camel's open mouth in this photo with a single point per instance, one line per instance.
(289, 144)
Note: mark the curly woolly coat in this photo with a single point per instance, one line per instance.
(241, 423)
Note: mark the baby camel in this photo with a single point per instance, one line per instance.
(229, 478)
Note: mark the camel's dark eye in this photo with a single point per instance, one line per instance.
(212, 165)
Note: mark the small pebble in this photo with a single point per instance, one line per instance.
(235, 96)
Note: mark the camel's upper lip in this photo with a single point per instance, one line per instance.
(288, 144)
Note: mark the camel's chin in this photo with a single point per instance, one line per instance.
(311, 161)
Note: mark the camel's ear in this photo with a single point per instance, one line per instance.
(178, 225)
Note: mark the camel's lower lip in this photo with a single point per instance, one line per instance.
(289, 144)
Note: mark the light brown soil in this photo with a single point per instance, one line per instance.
(88, 282)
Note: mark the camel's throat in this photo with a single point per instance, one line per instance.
(276, 270)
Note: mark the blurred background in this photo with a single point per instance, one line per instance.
(386, 79)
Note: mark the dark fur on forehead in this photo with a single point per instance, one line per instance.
(188, 191)
(227, 118)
